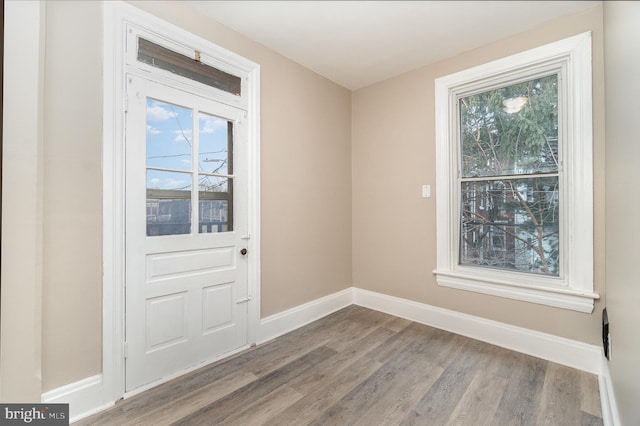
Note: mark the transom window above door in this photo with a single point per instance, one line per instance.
(514, 177)
(191, 68)
(189, 170)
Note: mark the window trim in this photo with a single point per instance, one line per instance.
(574, 288)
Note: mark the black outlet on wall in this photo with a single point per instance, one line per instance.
(605, 334)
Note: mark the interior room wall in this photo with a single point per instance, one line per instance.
(341, 177)
(22, 199)
(306, 168)
(393, 151)
(305, 181)
(622, 54)
(72, 225)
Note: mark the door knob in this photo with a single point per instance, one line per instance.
(243, 251)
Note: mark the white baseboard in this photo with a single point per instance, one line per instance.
(541, 345)
(610, 414)
(291, 319)
(84, 397)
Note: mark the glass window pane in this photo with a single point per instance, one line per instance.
(215, 205)
(169, 133)
(215, 144)
(511, 130)
(511, 224)
(168, 203)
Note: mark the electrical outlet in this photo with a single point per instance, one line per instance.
(606, 335)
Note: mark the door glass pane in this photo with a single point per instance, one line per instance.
(215, 144)
(215, 205)
(168, 203)
(511, 224)
(511, 130)
(169, 135)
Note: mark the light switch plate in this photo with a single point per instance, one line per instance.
(426, 191)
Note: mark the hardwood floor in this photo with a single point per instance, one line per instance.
(362, 367)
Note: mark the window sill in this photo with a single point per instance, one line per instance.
(556, 296)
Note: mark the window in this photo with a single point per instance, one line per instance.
(509, 176)
(172, 145)
(514, 185)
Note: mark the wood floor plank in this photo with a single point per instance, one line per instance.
(362, 367)
(183, 405)
(393, 345)
(479, 403)
(340, 342)
(590, 395)
(129, 410)
(521, 398)
(438, 403)
(589, 420)
(409, 335)
(267, 407)
(393, 375)
(243, 398)
(395, 324)
(560, 399)
(302, 344)
(402, 395)
(311, 407)
(369, 317)
(326, 371)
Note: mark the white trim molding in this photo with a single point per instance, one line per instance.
(570, 59)
(23, 198)
(610, 413)
(83, 397)
(571, 353)
(86, 397)
(291, 319)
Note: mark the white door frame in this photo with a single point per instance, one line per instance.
(116, 17)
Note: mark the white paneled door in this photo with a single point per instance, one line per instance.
(186, 230)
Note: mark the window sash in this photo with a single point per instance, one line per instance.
(535, 246)
(191, 68)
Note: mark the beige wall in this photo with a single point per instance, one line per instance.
(22, 195)
(306, 169)
(72, 279)
(307, 184)
(306, 175)
(623, 201)
(393, 151)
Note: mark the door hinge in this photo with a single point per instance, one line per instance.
(126, 104)
(246, 237)
(126, 350)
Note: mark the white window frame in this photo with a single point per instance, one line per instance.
(573, 289)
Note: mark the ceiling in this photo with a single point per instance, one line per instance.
(358, 43)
